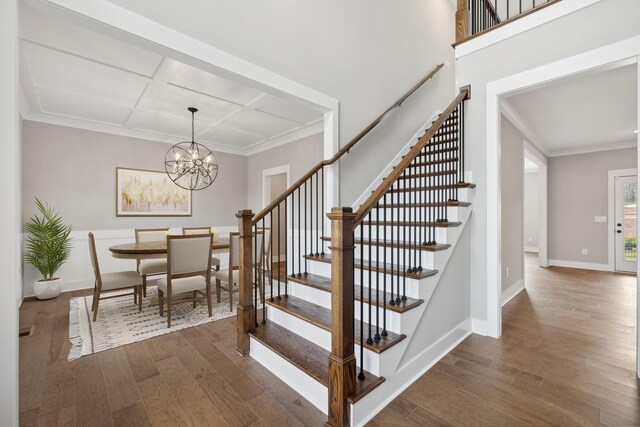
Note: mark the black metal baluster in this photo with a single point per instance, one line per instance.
(391, 202)
(286, 246)
(462, 152)
(377, 336)
(279, 249)
(255, 273)
(270, 261)
(520, 6)
(384, 268)
(264, 308)
(300, 251)
(311, 215)
(508, 1)
(361, 374)
(397, 220)
(369, 338)
(306, 240)
(405, 269)
(473, 16)
(317, 212)
(322, 210)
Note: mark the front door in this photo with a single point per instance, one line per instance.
(626, 225)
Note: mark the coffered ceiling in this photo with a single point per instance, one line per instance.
(76, 77)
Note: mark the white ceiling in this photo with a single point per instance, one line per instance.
(586, 112)
(76, 77)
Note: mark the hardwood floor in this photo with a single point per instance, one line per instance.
(566, 357)
(192, 377)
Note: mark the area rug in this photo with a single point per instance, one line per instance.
(119, 321)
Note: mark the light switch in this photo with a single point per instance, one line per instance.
(601, 219)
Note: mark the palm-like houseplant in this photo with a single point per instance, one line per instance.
(47, 247)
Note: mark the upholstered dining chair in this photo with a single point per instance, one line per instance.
(188, 271)
(231, 275)
(187, 231)
(110, 282)
(151, 267)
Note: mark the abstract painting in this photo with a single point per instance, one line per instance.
(149, 193)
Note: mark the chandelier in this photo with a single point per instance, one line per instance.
(190, 165)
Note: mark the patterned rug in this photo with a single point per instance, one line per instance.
(119, 321)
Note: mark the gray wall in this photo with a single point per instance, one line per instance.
(74, 170)
(578, 188)
(615, 20)
(365, 54)
(512, 166)
(300, 155)
(531, 209)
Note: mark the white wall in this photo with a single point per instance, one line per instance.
(10, 259)
(364, 53)
(615, 19)
(531, 210)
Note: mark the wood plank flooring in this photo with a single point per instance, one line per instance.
(566, 357)
(192, 377)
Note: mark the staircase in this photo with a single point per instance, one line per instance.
(337, 327)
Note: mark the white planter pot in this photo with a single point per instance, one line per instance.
(47, 289)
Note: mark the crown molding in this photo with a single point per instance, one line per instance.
(532, 136)
(311, 129)
(594, 149)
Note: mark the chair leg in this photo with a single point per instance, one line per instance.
(95, 312)
(135, 295)
(169, 309)
(218, 290)
(161, 302)
(139, 292)
(144, 285)
(195, 295)
(209, 299)
(230, 287)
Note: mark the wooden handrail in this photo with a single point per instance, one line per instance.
(386, 183)
(344, 149)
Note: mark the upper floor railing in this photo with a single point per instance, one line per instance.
(476, 17)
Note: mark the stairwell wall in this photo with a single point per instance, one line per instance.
(615, 20)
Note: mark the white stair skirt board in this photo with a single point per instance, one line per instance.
(579, 265)
(374, 402)
(295, 378)
(510, 293)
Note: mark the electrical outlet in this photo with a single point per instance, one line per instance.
(585, 251)
(506, 270)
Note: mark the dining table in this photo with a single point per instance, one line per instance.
(158, 249)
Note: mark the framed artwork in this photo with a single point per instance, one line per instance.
(142, 192)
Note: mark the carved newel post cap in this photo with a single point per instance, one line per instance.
(244, 212)
(341, 213)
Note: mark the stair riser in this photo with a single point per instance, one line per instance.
(428, 181)
(405, 197)
(412, 285)
(323, 299)
(372, 361)
(404, 234)
(423, 214)
(425, 259)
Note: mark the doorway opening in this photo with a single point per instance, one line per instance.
(623, 235)
(275, 182)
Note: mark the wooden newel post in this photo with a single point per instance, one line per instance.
(462, 19)
(342, 360)
(245, 320)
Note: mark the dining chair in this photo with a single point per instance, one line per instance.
(215, 262)
(110, 282)
(231, 275)
(151, 267)
(188, 271)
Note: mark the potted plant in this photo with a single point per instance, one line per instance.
(48, 246)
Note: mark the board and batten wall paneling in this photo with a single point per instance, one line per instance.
(578, 188)
(74, 170)
(531, 208)
(512, 166)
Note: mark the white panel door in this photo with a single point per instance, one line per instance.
(626, 226)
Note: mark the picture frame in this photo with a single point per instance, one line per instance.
(147, 193)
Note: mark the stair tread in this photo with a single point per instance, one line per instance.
(323, 283)
(435, 187)
(321, 317)
(403, 245)
(308, 357)
(425, 175)
(440, 224)
(450, 203)
(390, 269)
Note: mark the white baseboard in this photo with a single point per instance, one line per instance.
(531, 249)
(580, 265)
(512, 291)
(370, 405)
(479, 326)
